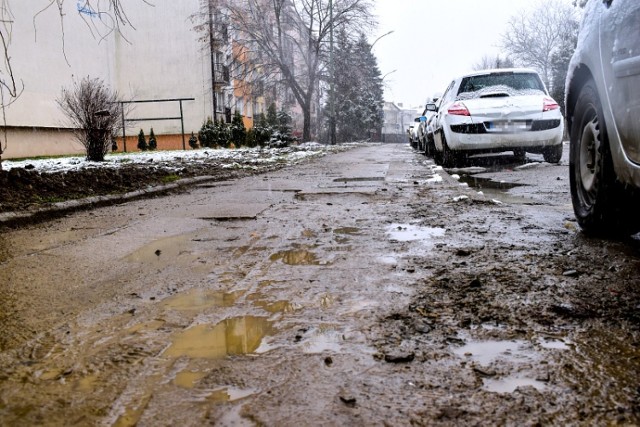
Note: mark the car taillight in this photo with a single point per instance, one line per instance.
(549, 104)
(458, 109)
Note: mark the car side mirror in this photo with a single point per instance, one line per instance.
(423, 119)
(432, 107)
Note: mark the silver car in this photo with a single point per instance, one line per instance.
(497, 110)
(603, 118)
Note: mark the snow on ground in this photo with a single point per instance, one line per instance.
(230, 157)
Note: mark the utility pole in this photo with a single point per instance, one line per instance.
(213, 61)
(332, 107)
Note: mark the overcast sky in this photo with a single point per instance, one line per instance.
(435, 40)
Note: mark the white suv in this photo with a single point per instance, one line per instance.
(603, 118)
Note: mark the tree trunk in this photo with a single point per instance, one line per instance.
(306, 126)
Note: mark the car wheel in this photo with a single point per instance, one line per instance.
(599, 202)
(552, 154)
(450, 158)
(431, 148)
(520, 155)
(437, 157)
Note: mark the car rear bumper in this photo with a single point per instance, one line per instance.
(503, 140)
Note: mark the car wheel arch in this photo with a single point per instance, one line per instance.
(581, 75)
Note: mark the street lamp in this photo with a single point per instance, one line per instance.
(390, 72)
(332, 109)
(376, 40)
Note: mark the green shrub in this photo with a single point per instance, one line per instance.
(222, 134)
(193, 141)
(153, 144)
(238, 130)
(207, 134)
(142, 141)
(261, 130)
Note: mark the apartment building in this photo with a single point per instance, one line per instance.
(168, 50)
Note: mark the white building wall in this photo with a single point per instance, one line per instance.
(160, 57)
(163, 59)
(45, 54)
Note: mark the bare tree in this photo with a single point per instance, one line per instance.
(289, 40)
(534, 35)
(111, 16)
(488, 62)
(94, 113)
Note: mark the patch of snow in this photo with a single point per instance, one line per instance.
(434, 179)
(528, 166)
(460, 198)
(177, 158)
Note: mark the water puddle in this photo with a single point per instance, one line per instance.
(230, 394)
(487, 352)
(409, 232)
(495, 189)
(553, 344)
(487, 183)
(163, 251)
(325, 339)
(273, 307)
(201, 299)
(296, 257)
(233, 336)
(518, 356)
(188, 379)
(510, 384)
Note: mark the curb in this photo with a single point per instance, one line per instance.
(8, 219)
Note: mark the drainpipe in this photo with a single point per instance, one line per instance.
(213, 62)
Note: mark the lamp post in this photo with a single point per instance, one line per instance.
(332, 108)
(384, 35)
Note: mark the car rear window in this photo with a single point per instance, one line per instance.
(500, 84)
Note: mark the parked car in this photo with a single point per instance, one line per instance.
(432, 108)
(603, 110)
(424, 129)
(494, 111)
(413, 133)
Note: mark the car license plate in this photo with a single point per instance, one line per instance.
(508, 126)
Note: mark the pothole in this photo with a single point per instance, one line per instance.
(359, 179)
(409, 232)
(299, 256)
(233, 336)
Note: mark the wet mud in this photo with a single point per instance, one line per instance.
(370, 288)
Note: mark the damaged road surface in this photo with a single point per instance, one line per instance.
(363, 288)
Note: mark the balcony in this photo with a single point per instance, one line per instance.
(221, 74)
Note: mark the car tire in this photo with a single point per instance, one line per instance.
(599, 201)
(520, 155)
(450, 158)
(430, 149)
(552, 154)
(437, 157)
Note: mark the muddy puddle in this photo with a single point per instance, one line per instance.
(233, 336)
(298, 256)
(411, 232)
(505, 365)
(496, 190)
